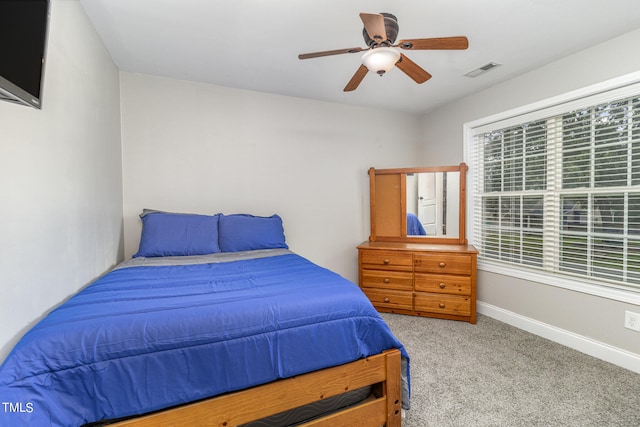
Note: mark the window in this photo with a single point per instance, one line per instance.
(556, 190)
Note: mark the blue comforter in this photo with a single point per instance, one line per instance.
(143, 338)
(414, 226)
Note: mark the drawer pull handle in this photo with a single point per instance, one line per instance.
(441, 305)
(386, 261)
(386, 280)
(442, 285)
(386, 300)
(443, 264)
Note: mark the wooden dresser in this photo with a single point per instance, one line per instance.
(421, 279)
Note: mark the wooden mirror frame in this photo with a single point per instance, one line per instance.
(388, 209)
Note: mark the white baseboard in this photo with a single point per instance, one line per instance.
(606, 352)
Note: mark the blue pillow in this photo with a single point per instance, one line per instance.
(176, 234)
(241, 232)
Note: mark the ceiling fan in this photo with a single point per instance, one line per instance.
(380, 32)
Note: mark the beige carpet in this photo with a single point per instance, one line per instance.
(492, 374)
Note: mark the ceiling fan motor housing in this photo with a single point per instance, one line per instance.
(391, 27)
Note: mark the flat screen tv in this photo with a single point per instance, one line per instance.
(23, 42)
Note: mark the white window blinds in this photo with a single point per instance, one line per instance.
(557, 190)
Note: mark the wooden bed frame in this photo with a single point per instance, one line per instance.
(382, 371)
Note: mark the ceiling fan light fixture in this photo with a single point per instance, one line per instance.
(380, 59)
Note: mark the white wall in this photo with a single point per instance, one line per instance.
(60, 177)
(590, 317)
(191, 147)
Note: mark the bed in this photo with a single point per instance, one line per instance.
(222, 333)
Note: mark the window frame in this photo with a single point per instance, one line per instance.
(610, 90)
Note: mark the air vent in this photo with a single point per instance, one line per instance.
(482, 70)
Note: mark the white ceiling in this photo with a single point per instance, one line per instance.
(254, 44)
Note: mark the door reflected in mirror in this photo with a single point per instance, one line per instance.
(433, 204)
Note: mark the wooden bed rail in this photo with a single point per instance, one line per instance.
(384, 408)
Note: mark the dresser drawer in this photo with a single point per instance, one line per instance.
(441, 303)
(443, 263)
(386, 279)
(387, 260)
(389, 298)
(443, 283)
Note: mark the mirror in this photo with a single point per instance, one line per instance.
(418, 204)
(433, 204)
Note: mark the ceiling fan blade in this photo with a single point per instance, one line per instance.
(374, 24)
(330, 52)
(412, 69)
(356, 79)
(459, 43)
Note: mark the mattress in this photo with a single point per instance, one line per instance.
(160, 332)
(314, 410)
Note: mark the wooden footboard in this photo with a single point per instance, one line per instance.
(381, 370)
